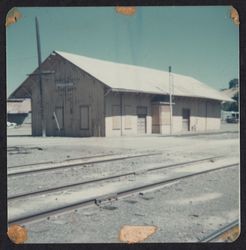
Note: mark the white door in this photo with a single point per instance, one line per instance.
(141, 124)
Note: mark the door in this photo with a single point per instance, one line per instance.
(84, 117)
(186, 119)
(141, 124)
(65, 92)
(141, 119)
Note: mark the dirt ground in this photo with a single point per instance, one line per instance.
(25, 149)
(190, 210)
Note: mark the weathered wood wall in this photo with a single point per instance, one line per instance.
(204, 113)
(76, 94)
(71, 90)
(161, 118)
(128, 122)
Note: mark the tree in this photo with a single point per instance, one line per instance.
(234, 105)
(233, 83)
(231, 106)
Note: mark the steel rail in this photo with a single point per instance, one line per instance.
(80, 164)
(66, 160)
(60, 188)
(17, 148)
(218, 233)
(159, 183)
(31, 164)
(90, 156)
(91, 201)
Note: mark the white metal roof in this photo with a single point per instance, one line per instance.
(230, 92)
(124, 77)
(18, 106)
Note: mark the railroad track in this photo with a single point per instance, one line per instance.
(228, 233)
(35, 168)
(21, 150)
(108, 196)
(107, 178)
(66, 160)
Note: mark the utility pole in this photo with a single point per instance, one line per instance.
(121, 114)
(40, 79)
(170, 99)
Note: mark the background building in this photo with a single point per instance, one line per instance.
(19, 111)
(89, 97)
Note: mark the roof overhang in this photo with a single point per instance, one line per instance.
(24, 90)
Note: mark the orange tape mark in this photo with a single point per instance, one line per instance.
(128, 11)
(234, 16)
(17, 234)
(135, 234)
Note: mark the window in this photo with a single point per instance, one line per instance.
(116, 117)
(84, 117)
(128, 118)
(59, 117)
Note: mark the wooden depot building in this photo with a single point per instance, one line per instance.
(83, 97)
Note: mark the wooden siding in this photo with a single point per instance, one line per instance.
(84, 117)
(70, 89)
(204, 114)
(132, 104)
(116, 120)
(165, 115)
(128, 116)
(161, 118)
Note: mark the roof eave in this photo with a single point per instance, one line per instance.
(137, 91)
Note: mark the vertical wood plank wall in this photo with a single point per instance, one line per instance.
(81, 90)
(130, 102)
(204, 114)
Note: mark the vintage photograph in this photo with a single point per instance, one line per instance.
(123, 124)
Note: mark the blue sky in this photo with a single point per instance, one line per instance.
(201, 42)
